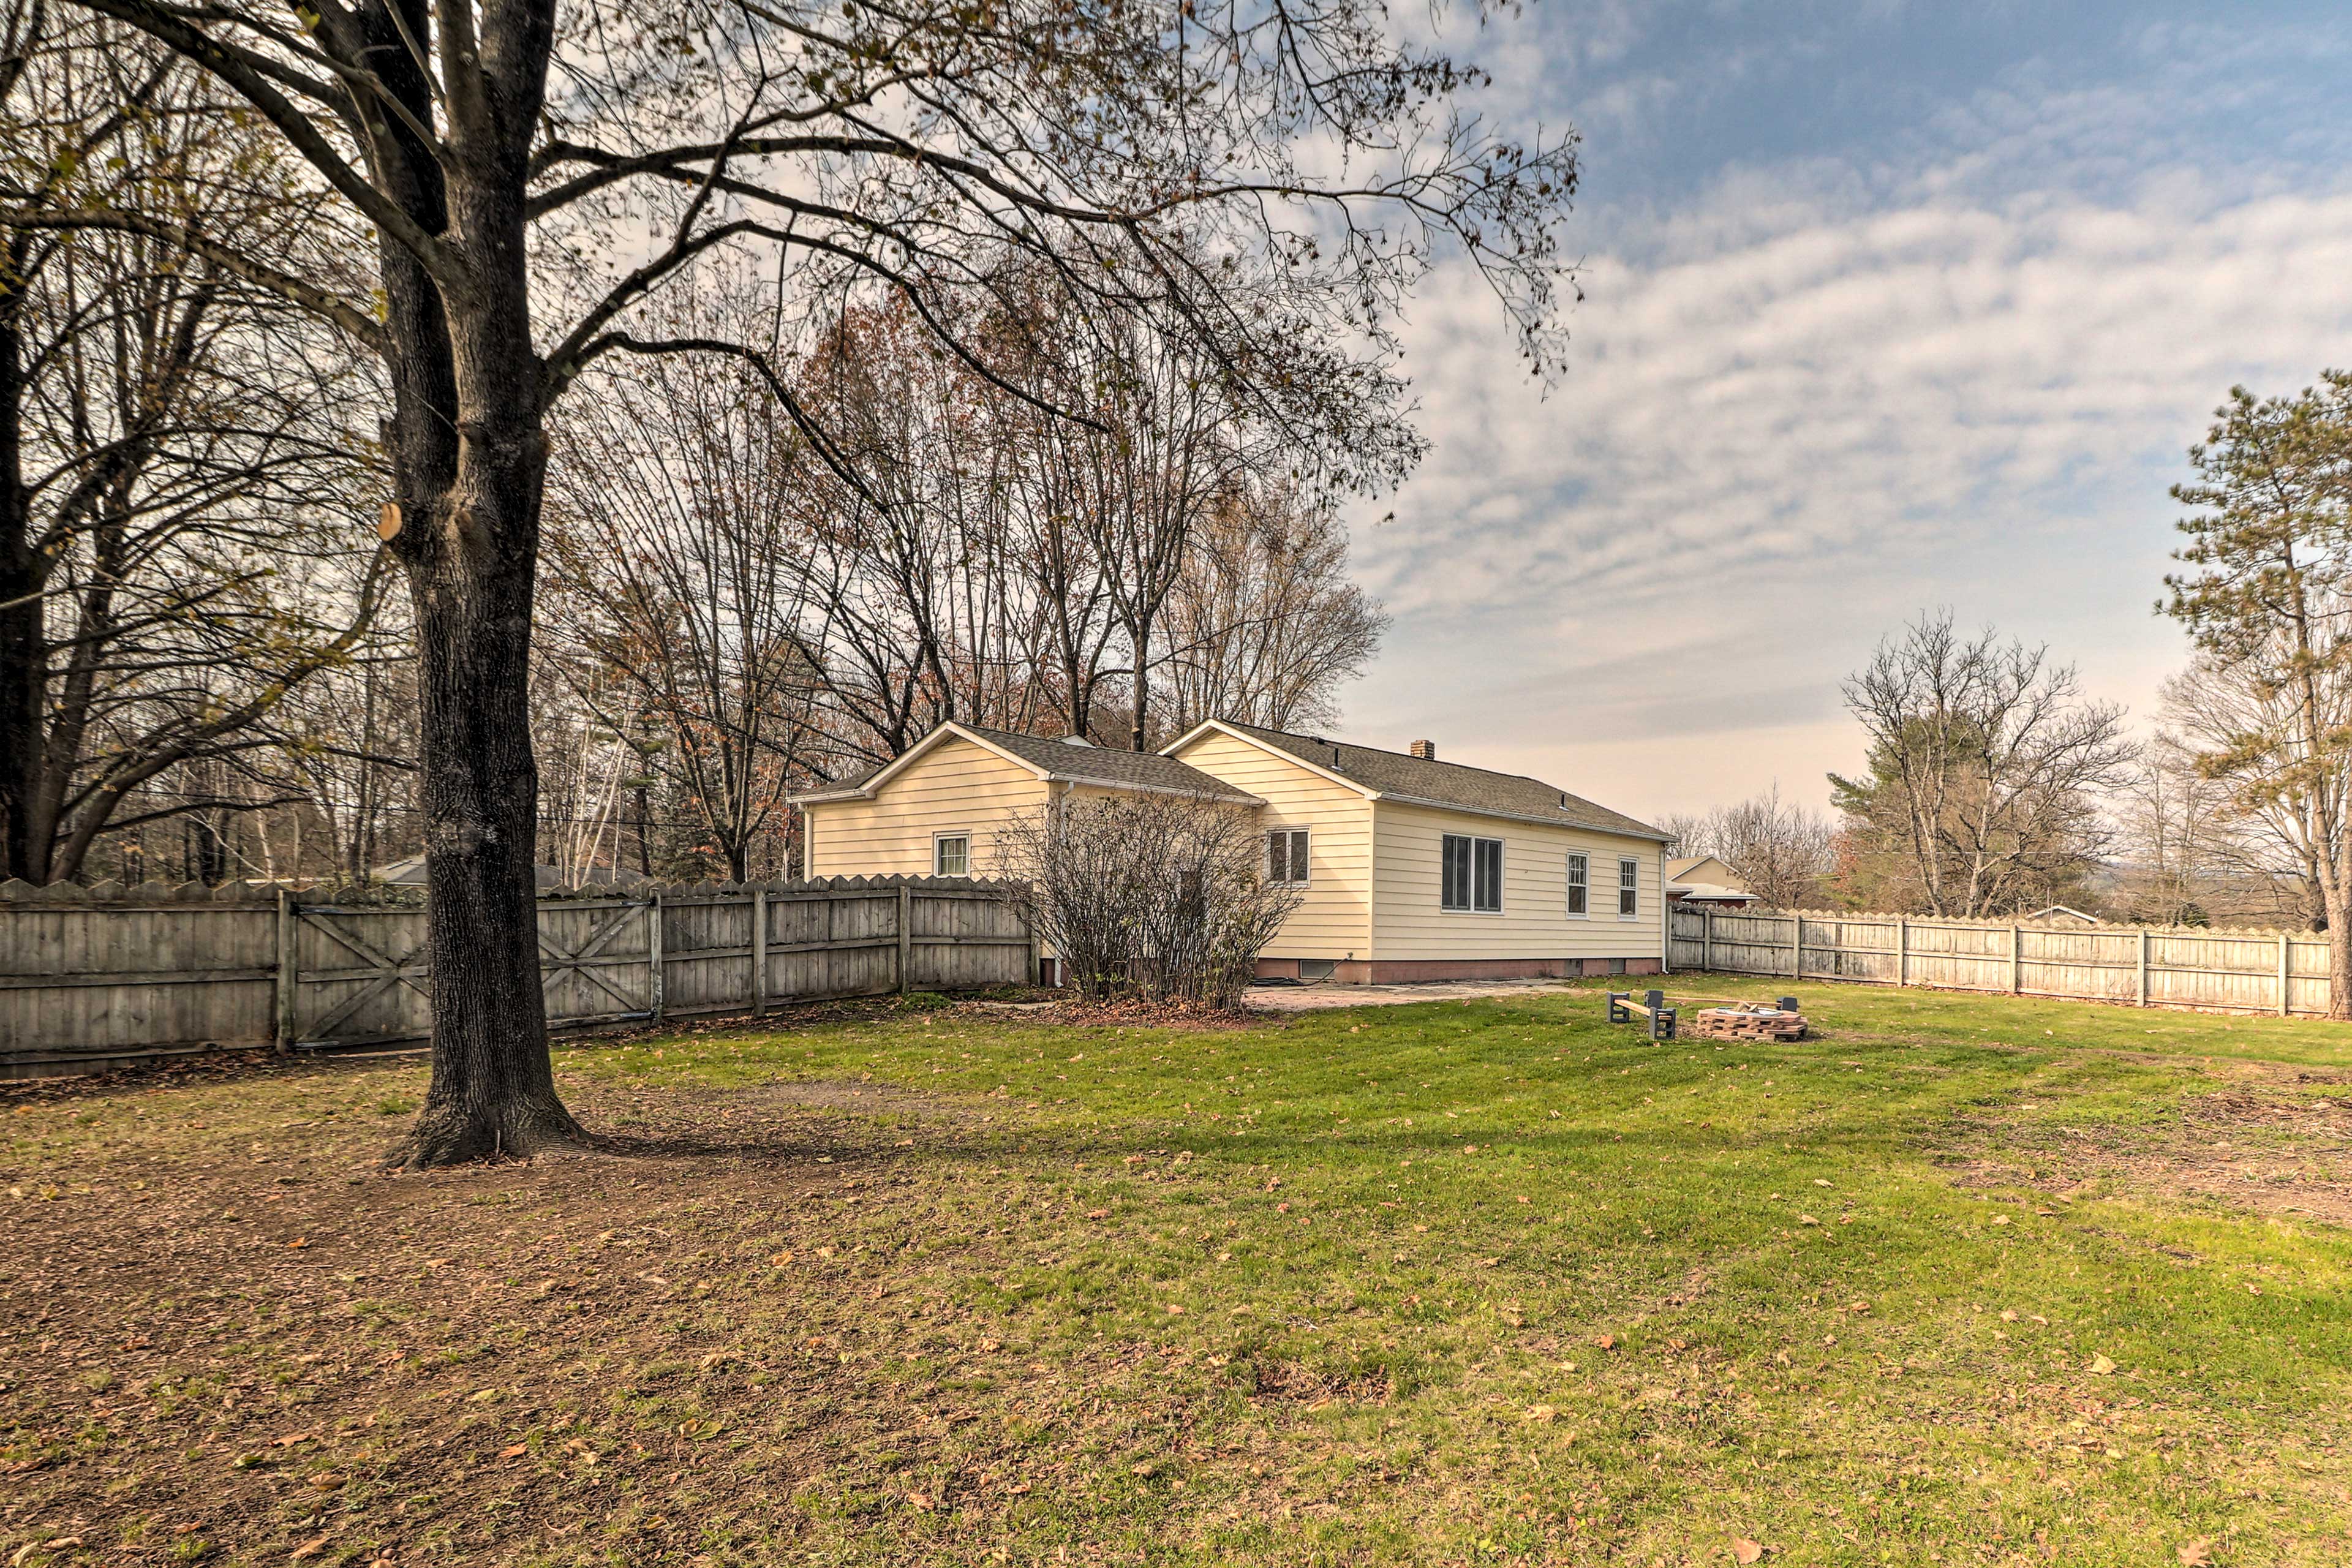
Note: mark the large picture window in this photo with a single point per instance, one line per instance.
(1629, 886)
(1285, 856)
(1472, 877)
(1579, 886)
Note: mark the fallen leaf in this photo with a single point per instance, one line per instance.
(2195, 1554)
(2101, 1366)
(1746, 1551)
(514, 1450)
(1807, 1219)
(1098, 1214)
(1606, 1342)
(293, 1437)
(917, 1500)
(327, 1480)
(1174, 1311)
(1541, 1413)
(311, 1548)
(1999, 1219)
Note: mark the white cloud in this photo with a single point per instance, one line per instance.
(1803, 408)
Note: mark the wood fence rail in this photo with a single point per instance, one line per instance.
(2239, 970)
(96, 978)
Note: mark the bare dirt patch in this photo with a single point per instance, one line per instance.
(2255, 1146)
(245, 1340)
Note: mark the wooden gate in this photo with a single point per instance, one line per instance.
(358, 974)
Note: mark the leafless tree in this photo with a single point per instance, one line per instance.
(2246, 816)
(676, 589)
(1986, 767)
(1264, 625)
(179, 471)
(1153, 161)
(1779, 850)
(1163, 897)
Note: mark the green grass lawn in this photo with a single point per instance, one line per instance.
(1965, 1281)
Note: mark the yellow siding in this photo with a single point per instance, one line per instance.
(957, 787)
(1336, 918)
(1535, 922)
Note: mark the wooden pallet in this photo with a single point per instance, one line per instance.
(1748, 1024)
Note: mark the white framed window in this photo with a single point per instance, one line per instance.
(1580, 886)
(951, 855)
(1471, 877)
(1285, 856)
(1629, 889)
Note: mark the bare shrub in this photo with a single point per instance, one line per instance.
(1154, 896)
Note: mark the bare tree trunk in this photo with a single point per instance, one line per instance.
(472, 484)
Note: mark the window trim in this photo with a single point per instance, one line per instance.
(1574, 886)
(940, 838)
(1302, 843)
(1502, 874)
(1634, 889)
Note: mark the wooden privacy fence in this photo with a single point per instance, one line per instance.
(94, 978)
(2255, 971)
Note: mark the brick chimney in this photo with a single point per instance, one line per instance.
(1425, 750)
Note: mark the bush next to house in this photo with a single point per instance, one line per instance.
(1157, 896)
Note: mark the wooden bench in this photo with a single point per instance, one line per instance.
(1651, 1006)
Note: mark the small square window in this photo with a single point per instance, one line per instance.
(951, 855)
(1285, 856)
(1629, 883)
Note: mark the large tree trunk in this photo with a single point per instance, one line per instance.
(493, 1091)
(470, 489)
(24, 841)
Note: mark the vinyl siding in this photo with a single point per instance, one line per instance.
(956, 788)
(1336, 918)
(1535, 922)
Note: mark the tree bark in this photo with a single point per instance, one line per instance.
(470, 460)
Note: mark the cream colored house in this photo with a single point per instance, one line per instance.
(1409, 868)
(1703, 879)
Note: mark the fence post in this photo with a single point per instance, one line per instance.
(2284, 972)
(2016, 962)
(287, 974)
(906, 932)
(2143, 966)
(1902, 950)
(1796, 946)
(758, 953)
(1706, 937)
(653, 953)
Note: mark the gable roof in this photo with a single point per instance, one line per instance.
(1680, 870)
(1054, 762)
(1423, 781)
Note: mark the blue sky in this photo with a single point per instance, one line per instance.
(1888, 306)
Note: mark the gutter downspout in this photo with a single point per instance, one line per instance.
(1665, 919)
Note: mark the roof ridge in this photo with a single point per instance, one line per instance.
(1400, 756)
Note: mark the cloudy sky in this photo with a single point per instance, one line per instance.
(1887, 306)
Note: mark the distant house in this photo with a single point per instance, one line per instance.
(409, 872)
(1703, 879)
(1410, 869)
(2063, 914)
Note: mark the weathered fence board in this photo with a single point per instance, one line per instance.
(88, 983)
(2253, 971)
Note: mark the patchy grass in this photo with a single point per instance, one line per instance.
(1461, 1282)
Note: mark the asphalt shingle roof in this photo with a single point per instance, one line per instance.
(1102, 764)
(1451, 783)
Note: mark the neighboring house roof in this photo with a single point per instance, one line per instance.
(1423, 781)
(409, 872)
(1707, 894)
(2065, 912)
(1691, 869)
(1054, 760)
